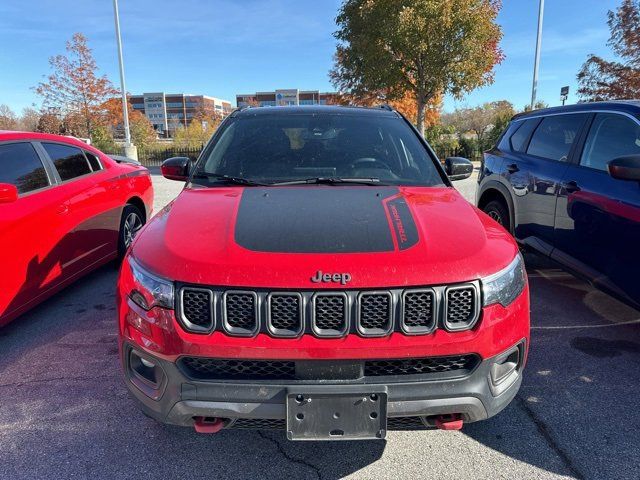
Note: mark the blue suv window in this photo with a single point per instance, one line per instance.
(521, 136)
(611, 136)
(554, 136)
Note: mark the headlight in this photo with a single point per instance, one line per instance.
(149, 290)
(503, 287)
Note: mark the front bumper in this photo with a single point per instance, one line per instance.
(176, 399)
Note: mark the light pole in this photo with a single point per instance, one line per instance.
(130, 149)
(536, 64)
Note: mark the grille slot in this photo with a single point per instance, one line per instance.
(330, 314)
(223, 369)
(197, 309)
(202, 368)
(240, 312)
(405, 423)
(259, 424)
(419, 311)
(285, 314)
(375, 313)
(461, 307)
(461, 364)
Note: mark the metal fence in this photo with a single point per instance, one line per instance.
(474, 155)
(153, 157)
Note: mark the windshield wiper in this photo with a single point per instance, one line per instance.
(331, 181)
(230, 179)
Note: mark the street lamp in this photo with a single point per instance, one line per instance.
(130, 149)
(536, 64)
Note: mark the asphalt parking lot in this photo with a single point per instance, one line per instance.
(65, 413)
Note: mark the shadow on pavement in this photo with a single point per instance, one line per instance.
(581, 384)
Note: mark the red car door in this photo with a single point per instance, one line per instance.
(91, 223)
(28, 232)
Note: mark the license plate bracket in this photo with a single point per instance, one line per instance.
(323, 415)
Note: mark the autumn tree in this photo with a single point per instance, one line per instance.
(8, 118)
(482, 120)
(74, 88)
(424, 48)
(29, 119)
(142, 133)
(602, 79)
(199, 130)
(406, 104)
(49, 122)
(540, 104)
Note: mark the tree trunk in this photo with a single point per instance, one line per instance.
(422, 107)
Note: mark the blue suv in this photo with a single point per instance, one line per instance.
(565, 182)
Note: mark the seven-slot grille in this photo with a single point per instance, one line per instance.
(330, 314)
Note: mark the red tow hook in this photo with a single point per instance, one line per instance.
(208, 424)
(449, 422)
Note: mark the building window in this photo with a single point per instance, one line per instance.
(267, 103)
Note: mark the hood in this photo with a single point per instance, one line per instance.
(281, 237)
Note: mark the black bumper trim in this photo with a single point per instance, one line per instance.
(183, 399)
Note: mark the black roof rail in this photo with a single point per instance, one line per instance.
(386, 106)
(240, 109)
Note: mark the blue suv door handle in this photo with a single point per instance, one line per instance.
(571, 186)
(513, 168)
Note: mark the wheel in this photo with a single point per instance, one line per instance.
(130, 224)
(498, 211)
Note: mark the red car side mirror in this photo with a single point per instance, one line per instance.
(176, 168)
(8, 193)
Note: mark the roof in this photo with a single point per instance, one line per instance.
(316, 109)
(6, 135)
(628, 106)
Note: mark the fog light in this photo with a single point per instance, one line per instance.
(145, 369)
(500, 371)
(504, 371)
(147, 363)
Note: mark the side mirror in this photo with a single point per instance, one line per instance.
(625, 168)
(8, 193)
(458, 168)
(176, 168)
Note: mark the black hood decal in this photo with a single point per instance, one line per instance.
(336, 219)
(404, 227)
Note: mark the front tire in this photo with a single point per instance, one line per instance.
(499, 212)
(130, 224)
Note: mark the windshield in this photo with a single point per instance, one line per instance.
(277, 148)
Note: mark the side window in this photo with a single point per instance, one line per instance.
(69, 161)
(611, 136)
(21, 166)
(94, 161)
(555, 135)
(521, 136)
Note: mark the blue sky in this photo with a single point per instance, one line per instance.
(224, 47)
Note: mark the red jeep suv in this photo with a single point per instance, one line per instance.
(319, 274)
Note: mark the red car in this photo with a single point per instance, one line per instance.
(65, 209)
(320, 274)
